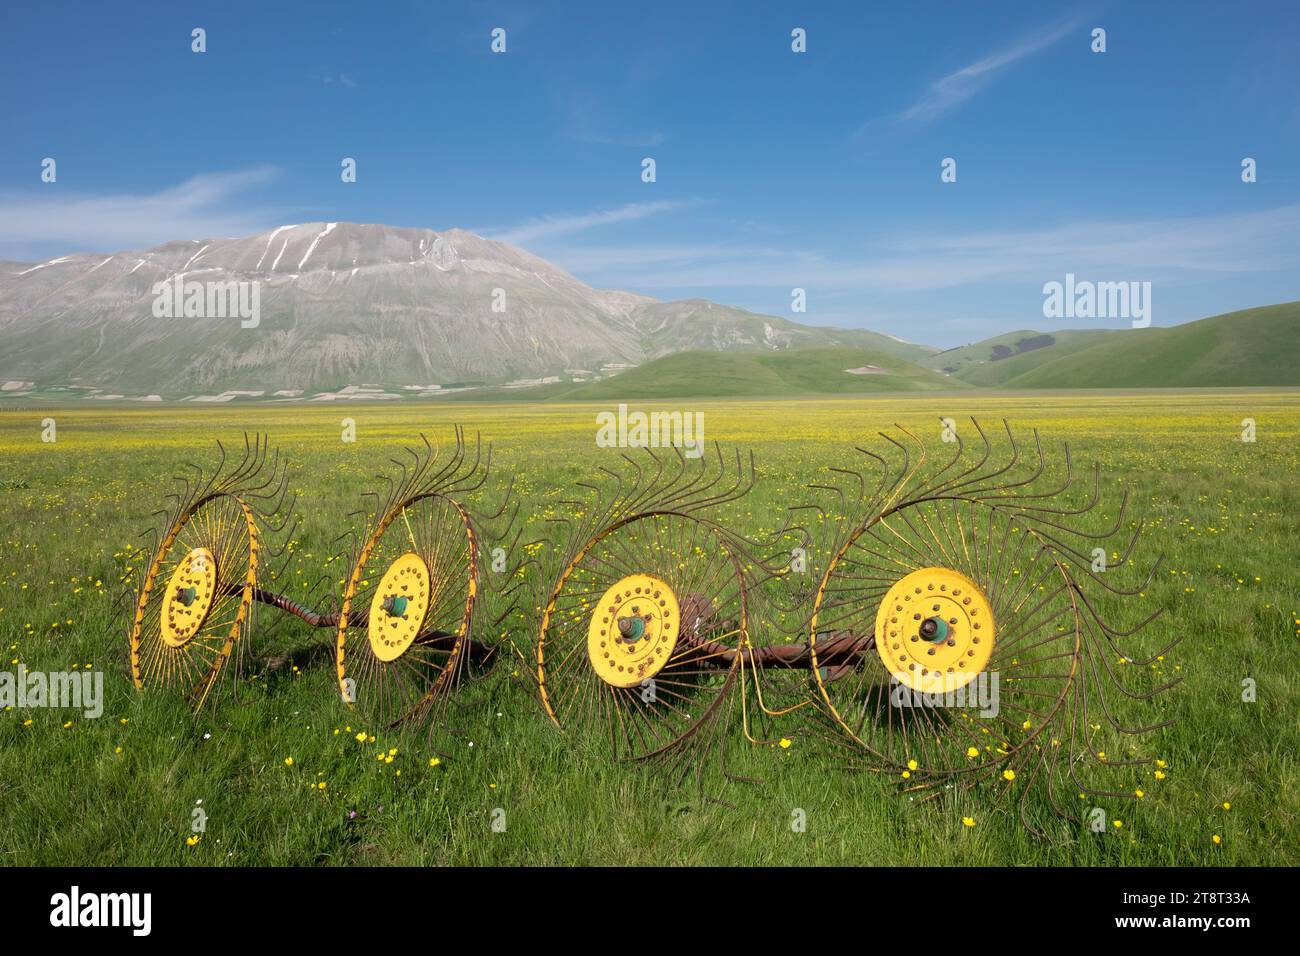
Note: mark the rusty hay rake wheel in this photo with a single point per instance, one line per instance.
(414, 615)
(192, 610)
(645, 631)
(962, 627)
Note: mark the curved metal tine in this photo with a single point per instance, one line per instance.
(1069, 480)
(886, 472)
(199, 477)
(737, 490)
(971, 474)
(410, 473)
(279, 506)
(394, 495)
(608, 503)
(988, 494)
(434, 471)
(1114, 632)
(833, 489)
(674, 493)
(1079, 532)
(821, 512)
(248, 464)
(672, 478)
(909, 470)
(218, 477)
(1022, 501)
(983, 487)
(932, 481)
(742, 485)
(641, 492)
(441, 470)
(270, 494)
(1117, 683)
(479, 475)
(506, 497)
(981, 477)
(221, 464)
(251, 461)
(423, 461)
(185, 494)
(455, 461)
(699, 494)
(246, 488)
(854, 475)
(1085, 560)
(403, 481)
(471, 477)
(595, 491)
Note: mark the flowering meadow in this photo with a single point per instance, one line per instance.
(280, 771)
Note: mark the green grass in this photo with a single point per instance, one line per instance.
(1254, 347)
(1226, 514)
(994, 374)
(796, 372)
(994, 353)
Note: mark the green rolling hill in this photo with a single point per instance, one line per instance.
(815, 371)
(1252, 347)
(997, 372)
(987, 362)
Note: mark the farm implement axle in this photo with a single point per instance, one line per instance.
(431, 637)
(840, 651)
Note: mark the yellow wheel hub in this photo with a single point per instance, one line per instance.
(189, 596)
(935, 630)
(633, 630)
(398, 609)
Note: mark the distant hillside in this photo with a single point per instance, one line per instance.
(818, 371)
(994, 372)
(1252, 347)
(1003, 348)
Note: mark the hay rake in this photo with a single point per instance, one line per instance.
(647, 633)
(193, 607)
(411, 617)
(960, 629)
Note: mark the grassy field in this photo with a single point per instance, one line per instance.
(123, 789)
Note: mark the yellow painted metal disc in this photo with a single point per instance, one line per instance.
(399, 607)
(935, 630)
(189, 596)
(633, 630)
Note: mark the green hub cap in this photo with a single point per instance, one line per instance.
(395, 605)
(934, 629)
(631, 628)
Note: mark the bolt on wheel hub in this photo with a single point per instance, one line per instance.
(633, 630)
(398, 609)
(189, 596)
(935, 630)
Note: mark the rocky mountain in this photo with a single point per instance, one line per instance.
(343, 304)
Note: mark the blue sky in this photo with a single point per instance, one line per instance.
(775, 170)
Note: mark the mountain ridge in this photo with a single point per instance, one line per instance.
(343, 303)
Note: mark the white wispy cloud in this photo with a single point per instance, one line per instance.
(203, 207)
(549, 227)
(951, 91)
(1184, 249)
